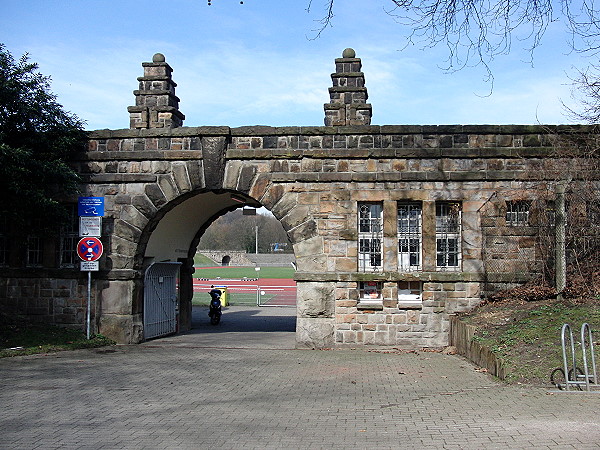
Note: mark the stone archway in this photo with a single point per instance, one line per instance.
(314, 180)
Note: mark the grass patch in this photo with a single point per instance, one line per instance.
(233, 299)
(21, 338)
(245, 272)
(203, 261)
(526, 336)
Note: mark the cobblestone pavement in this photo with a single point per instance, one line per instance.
(224, 388)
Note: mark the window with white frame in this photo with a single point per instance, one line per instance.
(370, 292)
(517, 213)
(409, 236)
(370, 234)
(447, 235)
(410, 293)
(69, 236)
(34, 251)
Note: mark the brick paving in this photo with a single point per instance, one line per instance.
(242, 387)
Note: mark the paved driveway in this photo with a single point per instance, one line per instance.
(220, 387)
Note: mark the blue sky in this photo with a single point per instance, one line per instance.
(256, 64)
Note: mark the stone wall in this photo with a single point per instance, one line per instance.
(312, 179)
(232, 258)
(45, 299)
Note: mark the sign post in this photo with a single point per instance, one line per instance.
(90, 248)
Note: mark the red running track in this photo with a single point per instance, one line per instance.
(267, 282)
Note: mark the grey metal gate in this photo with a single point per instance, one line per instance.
(160, 299)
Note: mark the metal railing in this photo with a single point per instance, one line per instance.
(253, 294)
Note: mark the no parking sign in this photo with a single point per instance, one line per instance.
(90, 249)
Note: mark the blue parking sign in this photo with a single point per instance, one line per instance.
(90, 206)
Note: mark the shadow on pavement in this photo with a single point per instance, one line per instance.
(249, 327)
(244, 319)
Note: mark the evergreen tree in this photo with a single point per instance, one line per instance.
(37, 138)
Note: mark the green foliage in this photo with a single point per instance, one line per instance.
(37, 137)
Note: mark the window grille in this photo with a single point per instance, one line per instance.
(370, 228)
(370, 292)
(447, 234)
(409, 236)
(69, 236)
(517, 213)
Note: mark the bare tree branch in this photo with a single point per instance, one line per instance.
(477, 31)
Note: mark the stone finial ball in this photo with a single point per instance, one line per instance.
(159, 57)
(349, 53)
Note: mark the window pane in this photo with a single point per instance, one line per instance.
(409, 236)
(369, 291)
(410, 291)
(448, 215)
(517, 213)
(34, 251)
(370, 226)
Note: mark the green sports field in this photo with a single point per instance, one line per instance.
(244, 272)
(205, 268)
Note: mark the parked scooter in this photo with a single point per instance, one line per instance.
(215, 306)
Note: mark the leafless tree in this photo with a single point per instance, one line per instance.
(476, 31)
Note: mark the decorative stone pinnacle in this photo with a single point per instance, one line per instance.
(349, 53)
(156, 105)
(348, 97)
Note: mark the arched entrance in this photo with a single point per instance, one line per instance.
(171, 245)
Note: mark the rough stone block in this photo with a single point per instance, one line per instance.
(315, 332)
(115, 297)
(123, 329)
(315, 299)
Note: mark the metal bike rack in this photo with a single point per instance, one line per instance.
(573, 377)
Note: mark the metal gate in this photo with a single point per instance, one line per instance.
(160, 299)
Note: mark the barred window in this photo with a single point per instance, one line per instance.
(517, 213)
(370, 228)
(409, 236)
(447, 234)
(69, 236)
(370, 292)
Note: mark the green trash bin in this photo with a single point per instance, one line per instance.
(224, 299)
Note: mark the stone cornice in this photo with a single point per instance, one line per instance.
(261, 130)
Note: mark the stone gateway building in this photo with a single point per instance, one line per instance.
(394, 228)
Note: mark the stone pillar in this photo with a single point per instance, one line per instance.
(156, 105)
(348, 95)
(186, 293)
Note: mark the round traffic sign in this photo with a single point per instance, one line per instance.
(90, 249)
